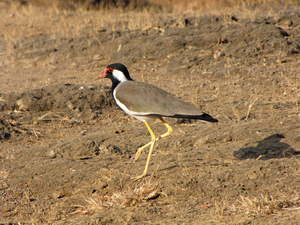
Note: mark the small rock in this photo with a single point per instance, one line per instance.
(101, 29)
(203, 141)
(226, 138)
(52, 154)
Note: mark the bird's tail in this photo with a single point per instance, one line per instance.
(204, 117)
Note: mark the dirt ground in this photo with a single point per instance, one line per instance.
(67, 150)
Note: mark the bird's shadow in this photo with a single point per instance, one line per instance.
(268, 148)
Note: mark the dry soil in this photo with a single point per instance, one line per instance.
(67, 150)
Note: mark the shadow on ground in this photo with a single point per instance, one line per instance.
(268, 148)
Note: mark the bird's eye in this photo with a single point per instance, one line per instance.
(109, 70)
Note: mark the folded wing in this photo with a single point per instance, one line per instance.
(146, 99)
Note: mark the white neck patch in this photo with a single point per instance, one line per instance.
(119, 75)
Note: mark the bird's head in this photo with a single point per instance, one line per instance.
(117, 72)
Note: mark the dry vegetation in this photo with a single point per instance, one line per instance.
(46, 17)
(179, 194)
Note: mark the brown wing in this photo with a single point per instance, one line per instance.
(146, 99)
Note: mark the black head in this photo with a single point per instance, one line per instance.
(117, 72)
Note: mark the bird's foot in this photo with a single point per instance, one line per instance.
(139, 151)
(141, 176)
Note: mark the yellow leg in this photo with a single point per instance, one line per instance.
(150, 152)
(170, 130)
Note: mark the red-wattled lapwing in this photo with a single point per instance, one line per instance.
(146, 101)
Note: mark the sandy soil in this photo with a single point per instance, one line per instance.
(67, 150)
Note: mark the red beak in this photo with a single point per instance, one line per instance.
(103, 75)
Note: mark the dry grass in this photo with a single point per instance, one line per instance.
(26, 208)
(266, 204)
(47, 18)
(245, 208)
(141, 194)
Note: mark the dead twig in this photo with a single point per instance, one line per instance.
(249, 108)
(103, 48)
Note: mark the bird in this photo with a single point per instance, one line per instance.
(146, 102)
